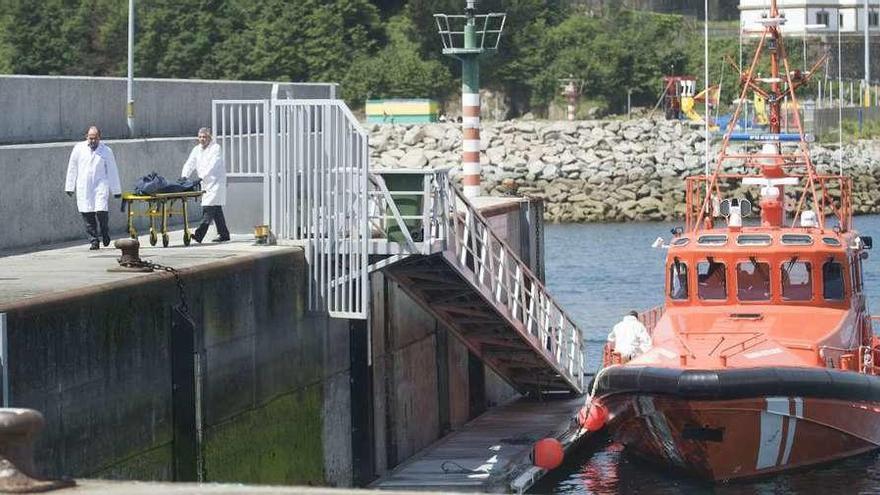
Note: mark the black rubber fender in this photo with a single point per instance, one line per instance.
(739, 383)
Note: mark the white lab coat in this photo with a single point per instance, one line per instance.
(208, 166)
(630, 337)
(93, 175)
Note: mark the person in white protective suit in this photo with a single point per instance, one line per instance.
(206, 160)
(92, 174)
(629, 337)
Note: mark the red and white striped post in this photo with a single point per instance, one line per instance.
(470, 159)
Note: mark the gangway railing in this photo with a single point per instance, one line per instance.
(449, 225)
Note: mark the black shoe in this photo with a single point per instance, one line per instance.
(94, 247)
(220, 239)
(106, 239)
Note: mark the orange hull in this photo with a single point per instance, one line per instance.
(728, 439)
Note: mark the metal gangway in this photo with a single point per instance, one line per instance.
(457, 268)
(414, 225)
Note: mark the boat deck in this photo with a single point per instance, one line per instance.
(491, 453)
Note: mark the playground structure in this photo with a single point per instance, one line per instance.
(680, 98)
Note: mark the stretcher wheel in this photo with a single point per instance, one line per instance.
(153, 238)
(164, 240)
(186, 238)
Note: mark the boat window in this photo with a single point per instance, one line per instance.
(753, 240)
(753, 281)
(711, 280)
(830, 241)
(712, 240)
(678, 284)
(681, 241)
(797, 281)
(797, 239)
(832, 281)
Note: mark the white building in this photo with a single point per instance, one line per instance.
(805, 16)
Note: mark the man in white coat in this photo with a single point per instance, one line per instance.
(629, 337)
(206, 160)
(92, 174)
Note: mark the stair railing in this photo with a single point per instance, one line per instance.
(499, 272)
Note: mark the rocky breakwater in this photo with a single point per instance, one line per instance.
(596, 171)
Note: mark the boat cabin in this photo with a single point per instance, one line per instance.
(809, 267)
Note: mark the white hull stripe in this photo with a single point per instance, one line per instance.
(470, 122)
(778, 411)
(792, 428)
(471, 145)
(470, 99)
(771, 432)
(471, 168)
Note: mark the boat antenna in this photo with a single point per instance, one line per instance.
(839, 103)
(706, 85)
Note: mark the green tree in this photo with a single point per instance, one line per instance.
(397, 70)
(309, 40)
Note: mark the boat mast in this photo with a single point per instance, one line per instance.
(775, 166)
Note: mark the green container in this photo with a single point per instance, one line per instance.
(409, 205)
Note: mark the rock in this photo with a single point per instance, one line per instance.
(414, 158)
(496, 154)
(435, 131)
(596, 170)
(388, 161)
(413, 135)
(550, 172)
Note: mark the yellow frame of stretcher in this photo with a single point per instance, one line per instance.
(159, 206)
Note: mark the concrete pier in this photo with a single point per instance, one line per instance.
(284, 396)
(95, 352)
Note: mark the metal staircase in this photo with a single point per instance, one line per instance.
(311, 159)
(448, 259)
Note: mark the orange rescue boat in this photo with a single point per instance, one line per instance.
(763, 355)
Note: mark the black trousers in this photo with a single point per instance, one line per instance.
(92, 220)
(212, 214)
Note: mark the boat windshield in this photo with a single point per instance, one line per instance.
(711, 280)
(753, 281)
(678, 286)
(797, 281)
(832, 281)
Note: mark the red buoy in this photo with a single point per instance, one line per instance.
(547, 453)
(596, 418)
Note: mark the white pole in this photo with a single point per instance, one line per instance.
(839, 101)
(129, 107)
(706, 82)
(867, 49)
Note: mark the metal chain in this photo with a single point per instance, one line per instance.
(181, 289)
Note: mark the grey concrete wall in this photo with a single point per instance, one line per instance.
(276, 380)
(32, 201)
(59, 108)
(421, 382)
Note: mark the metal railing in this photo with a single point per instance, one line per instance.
(318, 193)
(488, 25)
(240, 128)
(451, 224)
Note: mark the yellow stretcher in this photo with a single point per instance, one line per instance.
(159, 206)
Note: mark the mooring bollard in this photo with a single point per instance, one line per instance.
(130, 261)
(18, 430)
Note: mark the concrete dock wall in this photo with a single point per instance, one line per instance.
(275, 397)
(59, 108)
(425, 382)
(35, 209)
